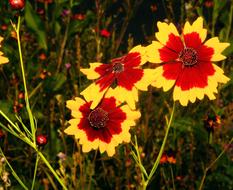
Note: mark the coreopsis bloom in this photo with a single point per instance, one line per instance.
(168, 157)
(103, 127)
(3, 59)
(187, 61)
(124, 73)
(211, 122)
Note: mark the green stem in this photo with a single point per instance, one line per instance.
(210, 138)
(212, 164)
(63, 44)
(13, 172)
(35, 90)
(52, 170)
(35, 171)
(139, 162)
(31, 119)
(228, 29)
(162, 147)
(32, 123)
(172, 175)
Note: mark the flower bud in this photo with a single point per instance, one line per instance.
(17, 4)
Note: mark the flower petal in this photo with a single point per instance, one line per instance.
(192, 40)
(124, 95)
(75, 104)
(142, 52)
(152, 52)
(196, 27)
(129, 77)
(166, 75)
(3, 59)
(196, 87)
(165, 30)
(130, 115)
(146, 80)
(72, 129)
(93, 93)
(91, 73)
(218, 48)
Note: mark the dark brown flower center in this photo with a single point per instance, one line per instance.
(118, 68)
(98, 118)
(188, 56)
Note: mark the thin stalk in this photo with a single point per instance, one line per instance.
(35, 171)
(34, 91)
(13, 171)
(32, 124)
(52, 170)
(172, 175)
(137, 159)
(165, 179)
(229, 23)
(51, 181)
(228, 29)
(212, 164)
(210, 138)
(9, 121)
(63, 43)
(162, 147)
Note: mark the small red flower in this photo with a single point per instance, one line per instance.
(168, 157)
(163, 159)
(17, 106)
(42, 56)
(21, 95)
(105, 33)
(78, 16)
(153, 8)
(40, 11)
(17, 4)
(209, 4)
(212, 122)
(4, 27)
(41, 140)
(2, 134)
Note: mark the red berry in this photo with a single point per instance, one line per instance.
(17, 4)
(41, 140)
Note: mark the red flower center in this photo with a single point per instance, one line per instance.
(98, 118)
(188, 56)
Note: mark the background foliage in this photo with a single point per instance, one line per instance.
(61, 36)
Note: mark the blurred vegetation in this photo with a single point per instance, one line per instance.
(61, 36)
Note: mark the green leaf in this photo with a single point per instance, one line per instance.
(34, 22)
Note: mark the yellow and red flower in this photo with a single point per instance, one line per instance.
(123, 73)
(187, 61)
(3, 59)
(103, 127)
